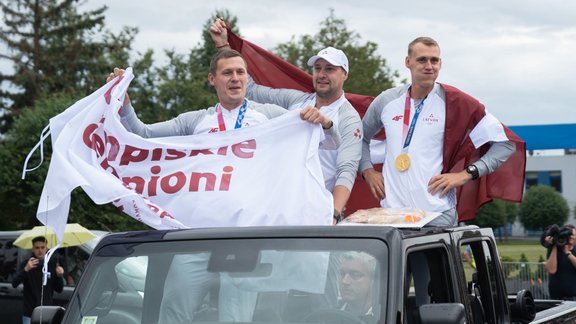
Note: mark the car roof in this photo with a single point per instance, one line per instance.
(257, 232)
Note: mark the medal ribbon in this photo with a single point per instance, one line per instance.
(408, 131)
(239, 119)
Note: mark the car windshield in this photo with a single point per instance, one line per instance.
(234, 280)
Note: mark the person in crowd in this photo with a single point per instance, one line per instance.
(426, 123)
(76, 269)
(330, 70)
(31, 277)
(469, 257)
(561, 265)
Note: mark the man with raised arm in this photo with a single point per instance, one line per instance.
(330, 71)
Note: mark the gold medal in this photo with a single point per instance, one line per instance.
(402, 162)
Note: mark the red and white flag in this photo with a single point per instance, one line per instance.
(267, 174)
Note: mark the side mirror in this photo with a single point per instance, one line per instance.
(48, 315)
(523, 310)
(449, 313)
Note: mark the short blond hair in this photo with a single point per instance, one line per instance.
(428, 41)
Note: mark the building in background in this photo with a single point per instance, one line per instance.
(551, 161)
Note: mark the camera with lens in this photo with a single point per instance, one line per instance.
(560, 236)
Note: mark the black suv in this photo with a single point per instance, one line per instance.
(356, 274)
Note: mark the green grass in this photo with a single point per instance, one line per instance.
(513, 249)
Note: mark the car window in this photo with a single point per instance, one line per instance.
(428, 280)
(272, 280)
(73, 259)
(482, 280)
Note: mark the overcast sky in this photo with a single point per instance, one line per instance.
(518, 57)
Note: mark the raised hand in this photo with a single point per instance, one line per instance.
(219, 33)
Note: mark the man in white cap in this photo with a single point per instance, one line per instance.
(330, 71)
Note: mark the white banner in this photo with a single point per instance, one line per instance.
(267, 174)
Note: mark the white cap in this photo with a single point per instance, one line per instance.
(334, 56)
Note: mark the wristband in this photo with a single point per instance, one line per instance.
(223, 45)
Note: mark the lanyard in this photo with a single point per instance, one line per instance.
(239, 119)
(408, 131)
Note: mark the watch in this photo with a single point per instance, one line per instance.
(337, 216)
(473, 170)
(331, 124)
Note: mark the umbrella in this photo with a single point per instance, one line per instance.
(74, 234)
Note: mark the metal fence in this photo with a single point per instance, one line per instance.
(526, 275)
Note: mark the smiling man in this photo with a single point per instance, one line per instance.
(329, 72)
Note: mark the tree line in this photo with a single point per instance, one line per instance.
(541, 207)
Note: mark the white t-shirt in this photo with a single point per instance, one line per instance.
(410, 188)
(328, 154)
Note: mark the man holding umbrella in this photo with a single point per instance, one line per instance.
(30, 275)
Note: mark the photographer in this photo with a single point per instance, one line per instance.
(561, 262)
(30, 276)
